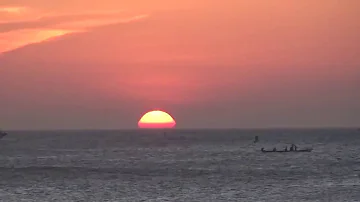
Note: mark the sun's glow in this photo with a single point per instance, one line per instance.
(156, 119)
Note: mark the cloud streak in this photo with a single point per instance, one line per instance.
(13, 10)
(62, 20)
(18, 33)
(13, 40)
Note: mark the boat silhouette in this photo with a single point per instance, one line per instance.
(2, 134)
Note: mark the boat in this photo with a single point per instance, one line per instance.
(283, 151)
(2, 134)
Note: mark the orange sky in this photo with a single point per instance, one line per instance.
(253, 63)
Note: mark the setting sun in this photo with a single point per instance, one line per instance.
(156, 119)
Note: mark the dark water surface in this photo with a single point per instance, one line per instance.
(182, 165)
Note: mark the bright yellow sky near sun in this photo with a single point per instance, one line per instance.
(30, 21)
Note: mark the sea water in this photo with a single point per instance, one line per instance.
(179, 165)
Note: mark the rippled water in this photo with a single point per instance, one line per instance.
(181, 165)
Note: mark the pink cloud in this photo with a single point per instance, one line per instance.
(15, 34)
(59, 20)
(13, 10)
(15, 39)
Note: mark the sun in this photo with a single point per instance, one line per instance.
(156, 119)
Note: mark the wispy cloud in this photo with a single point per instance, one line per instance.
(13, 10)
(63, 20)
(17, 33)
(86, 24)
(13, 40)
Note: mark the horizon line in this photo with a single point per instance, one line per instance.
(217, 128)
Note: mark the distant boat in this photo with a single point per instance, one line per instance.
(2, 134)
(282, 151)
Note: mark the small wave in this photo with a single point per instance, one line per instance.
(125, 171)
(72, 150)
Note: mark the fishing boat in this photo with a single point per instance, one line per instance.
(283, 151)
(2, 134)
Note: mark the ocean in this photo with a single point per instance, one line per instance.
(180, 165)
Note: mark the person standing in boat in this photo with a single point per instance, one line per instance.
(293, 147)
(256, 139)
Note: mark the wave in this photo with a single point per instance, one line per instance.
(154, 171)
(124, 171)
